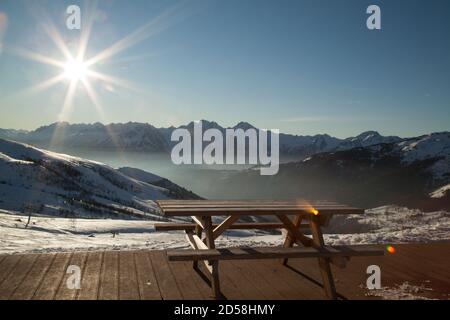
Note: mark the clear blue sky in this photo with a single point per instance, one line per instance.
(304, 67)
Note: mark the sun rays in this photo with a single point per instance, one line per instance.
(73, 68)
(79, 72)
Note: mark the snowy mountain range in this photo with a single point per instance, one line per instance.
(413, 172)
(129, 136)
(40, 181)
(367, 170)
(147, 138)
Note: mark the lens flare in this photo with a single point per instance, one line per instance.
(390, 249)
(309, 207)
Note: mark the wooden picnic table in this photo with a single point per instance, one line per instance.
(312, 215)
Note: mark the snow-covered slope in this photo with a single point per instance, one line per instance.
(366, 139)
(174, 190)
(390, 224)
(384, 225)
(434, 145)
(440, 192)
(37, 180)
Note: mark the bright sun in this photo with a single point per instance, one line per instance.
(75, 70)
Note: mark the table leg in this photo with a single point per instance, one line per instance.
(324, 263)
(209, 240)
(198, 232)
(289, 241)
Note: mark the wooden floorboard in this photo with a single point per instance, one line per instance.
(289, 284)
(149, 275)
(422, 260)
(109, 280)
(64, 291)
(128, 283)
(90, 282)
(202, 286)
(187, 286)
(30, 283)
(245, 286)
(229, 288)
(148, 285)
(166, 281)
(52, 278)
(15, 278)
(298, 286)
(247, 270)
(7, 265)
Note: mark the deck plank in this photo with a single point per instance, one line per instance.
(188, 288)
(53, 277)
(308, 267)
(148, 285)
(64, 293)
(297, 284)
(7, 265)
(268, 271)
(30, 283)
(228, 289)
(15, 278)
(247, 269)
(247, 288)
(166, 281)
(421, 260)
(128, 283)
(90, 280)
(202, 286)
(109, 281)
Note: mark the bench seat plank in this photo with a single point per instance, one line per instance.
(273, 253)
(169, 226)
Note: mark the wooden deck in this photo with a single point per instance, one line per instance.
(148, 275)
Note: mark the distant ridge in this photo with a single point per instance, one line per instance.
(144, 137)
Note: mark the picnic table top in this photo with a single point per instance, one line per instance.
(253, 207)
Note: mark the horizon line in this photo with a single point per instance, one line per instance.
(204, 120)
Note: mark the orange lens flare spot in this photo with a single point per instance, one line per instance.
(315, 212)
(390, 249)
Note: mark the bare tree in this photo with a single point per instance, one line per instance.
(30, 208)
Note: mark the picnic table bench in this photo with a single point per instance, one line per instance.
(312, 215)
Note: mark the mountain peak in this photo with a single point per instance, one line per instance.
(206, 124)
(369, 132)
(244, 125)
